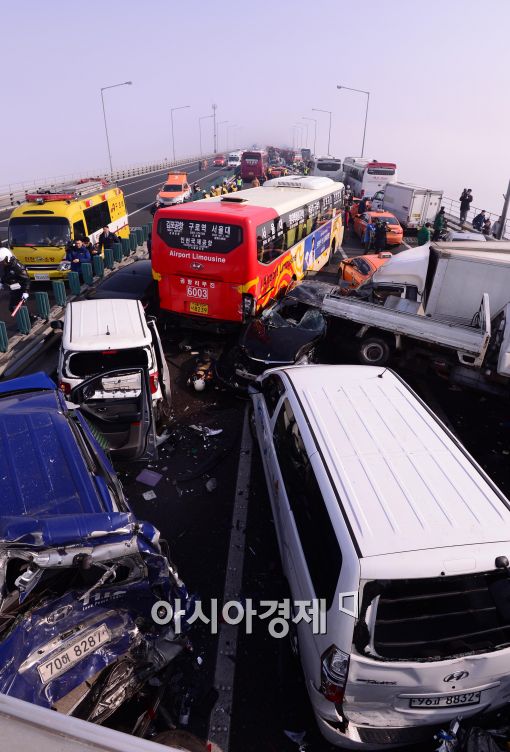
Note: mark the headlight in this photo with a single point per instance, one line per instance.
(65, 266)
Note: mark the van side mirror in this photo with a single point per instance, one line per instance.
(57, 325)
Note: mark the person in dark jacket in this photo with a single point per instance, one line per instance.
(479, 220)
(13, 276)
(465, 202)
(107, 239)
(380, 235)
(78, 254)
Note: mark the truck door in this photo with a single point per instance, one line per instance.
(118, 407)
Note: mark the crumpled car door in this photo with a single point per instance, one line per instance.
(118, 407)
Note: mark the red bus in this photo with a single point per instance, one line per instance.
(253, 165)
(223, 259)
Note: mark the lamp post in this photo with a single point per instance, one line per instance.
(328, 112)
(172, 110)
(298, 127)
(215, 137)
(113, 86)
(222, 122)
(204, 117)
(314, 120)
(360, 91)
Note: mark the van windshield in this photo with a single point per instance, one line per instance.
(85, 364)
(435, 618)
(39, 231)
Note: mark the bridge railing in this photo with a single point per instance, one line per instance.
(13, 193)
(452, 209)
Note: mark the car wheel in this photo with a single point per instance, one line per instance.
(374, 351)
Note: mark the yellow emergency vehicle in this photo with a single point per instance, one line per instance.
(41, 227)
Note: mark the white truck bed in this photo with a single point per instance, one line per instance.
(470, 340)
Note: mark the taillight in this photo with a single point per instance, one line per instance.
(66, 388)
(248, 305)
(334, 670)
(154, 382)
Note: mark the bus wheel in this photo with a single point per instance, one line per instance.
(374, 351)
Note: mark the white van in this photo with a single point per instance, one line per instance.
(106, 335)
(382, 514)
(328, 167)
(234, 160)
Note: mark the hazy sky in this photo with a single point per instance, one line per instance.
(436, 70)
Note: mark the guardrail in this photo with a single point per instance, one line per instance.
(452, 207)
(91, 274)
(14, 192)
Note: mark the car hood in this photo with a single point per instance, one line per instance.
(59, 530)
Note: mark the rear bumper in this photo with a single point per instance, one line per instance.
(364, 737)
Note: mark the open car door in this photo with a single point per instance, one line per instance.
(161, 360)
(118, 407)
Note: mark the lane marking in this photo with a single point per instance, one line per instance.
(221, 715)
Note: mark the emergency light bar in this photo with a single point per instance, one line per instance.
(66, 192)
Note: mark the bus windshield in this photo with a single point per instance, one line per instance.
(186, 235)
(251, 156)
(39, 231)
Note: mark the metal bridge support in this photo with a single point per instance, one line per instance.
(126, 246)
(59, 291)
(74, 282)
(132, 241)
(23, 320)
(117, 252)
(139, 236)
(86, 273)
(42, 303)
(98, 266)
(4, 339)
(108, 258)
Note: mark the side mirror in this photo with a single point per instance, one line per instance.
(57, 325)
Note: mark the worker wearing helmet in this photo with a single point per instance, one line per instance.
(14, 277)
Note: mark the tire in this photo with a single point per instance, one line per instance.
(374, 351)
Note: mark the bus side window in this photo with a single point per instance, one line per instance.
(79, 229)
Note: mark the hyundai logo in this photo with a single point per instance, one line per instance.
(194, 265)
(457, 676)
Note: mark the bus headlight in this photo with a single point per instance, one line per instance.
(248, 305)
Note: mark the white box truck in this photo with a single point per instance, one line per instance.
(449, 279)
(411, 204)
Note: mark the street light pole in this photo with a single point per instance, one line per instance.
(204, 117)
(328, 112)
(360, 91)
(314, 120)
(104, 88)
(172, 110)
(214, 108)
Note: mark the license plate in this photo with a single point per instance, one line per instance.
(77, 650)
(42, 277)
(466, 698)
(199, 308)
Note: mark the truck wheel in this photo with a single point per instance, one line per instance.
(374, 351)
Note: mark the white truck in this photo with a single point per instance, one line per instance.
(411, 204)
(450, 304)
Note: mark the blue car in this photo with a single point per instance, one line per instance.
(79, 573)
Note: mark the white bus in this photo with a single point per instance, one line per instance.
(365, 177)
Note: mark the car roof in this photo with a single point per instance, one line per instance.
(42, 470)
(403, 483)
(105, 324)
